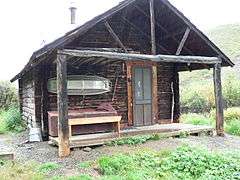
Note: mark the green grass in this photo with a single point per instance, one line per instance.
(48, 167)
(16, 170)
(183, 163)
(196, 119)
(233, 127)
(85, 165)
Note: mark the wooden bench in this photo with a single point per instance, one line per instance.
(95, 120)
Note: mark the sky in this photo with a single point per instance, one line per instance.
(27, 25)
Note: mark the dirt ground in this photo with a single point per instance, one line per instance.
(42, 152)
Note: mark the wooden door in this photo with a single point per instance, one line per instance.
(142, 96)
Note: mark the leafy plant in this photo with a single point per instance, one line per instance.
(48, 167)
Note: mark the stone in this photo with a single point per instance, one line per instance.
(87, 149)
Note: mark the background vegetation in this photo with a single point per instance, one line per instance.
(10, 117)
(196, 89)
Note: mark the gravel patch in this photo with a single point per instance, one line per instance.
(42, 152)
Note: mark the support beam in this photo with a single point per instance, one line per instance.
(153, 28)
(182, 43)
(63, 130)
(142, 57)
(114, 35)
(218, 99)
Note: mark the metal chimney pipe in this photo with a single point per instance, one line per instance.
(73, 14)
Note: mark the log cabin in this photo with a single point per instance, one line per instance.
(122, 67)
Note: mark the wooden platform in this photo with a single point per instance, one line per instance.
(166, 130)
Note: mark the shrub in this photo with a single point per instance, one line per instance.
(231, 90)
(232, 114)
(194, 100)
(8, 95)
(12, 120)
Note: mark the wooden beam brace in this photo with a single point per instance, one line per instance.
(142, 57)
(63, 130)
(183, 41)
(218, 99)
(153, 28)
(114, 35)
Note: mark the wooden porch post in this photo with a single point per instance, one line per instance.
(218, 99)
(63, 130)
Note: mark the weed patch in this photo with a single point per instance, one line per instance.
(134, 140)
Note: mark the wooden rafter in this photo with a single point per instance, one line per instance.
(183, 41)
(142, 57)
(161, 27)
(114, 35)
(153, 28)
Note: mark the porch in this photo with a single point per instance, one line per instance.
(164, 130)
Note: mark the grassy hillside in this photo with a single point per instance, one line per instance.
(227, 38)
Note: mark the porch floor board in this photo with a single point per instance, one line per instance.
(166, 130)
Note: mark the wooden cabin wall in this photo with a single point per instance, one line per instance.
(166, 75)
(28, 101)
(109, 71)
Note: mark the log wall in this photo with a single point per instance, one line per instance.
(166, 75)
(108, 71)
(31, 94)
(27, 100)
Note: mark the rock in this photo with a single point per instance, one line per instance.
(87, 149)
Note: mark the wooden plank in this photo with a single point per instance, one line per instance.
(63, 129)
(114, 35)
(94, 120)
(182, 43)
(129, 92)
(218, 99)
(142, 57)
(154, 94)
(153, 28)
